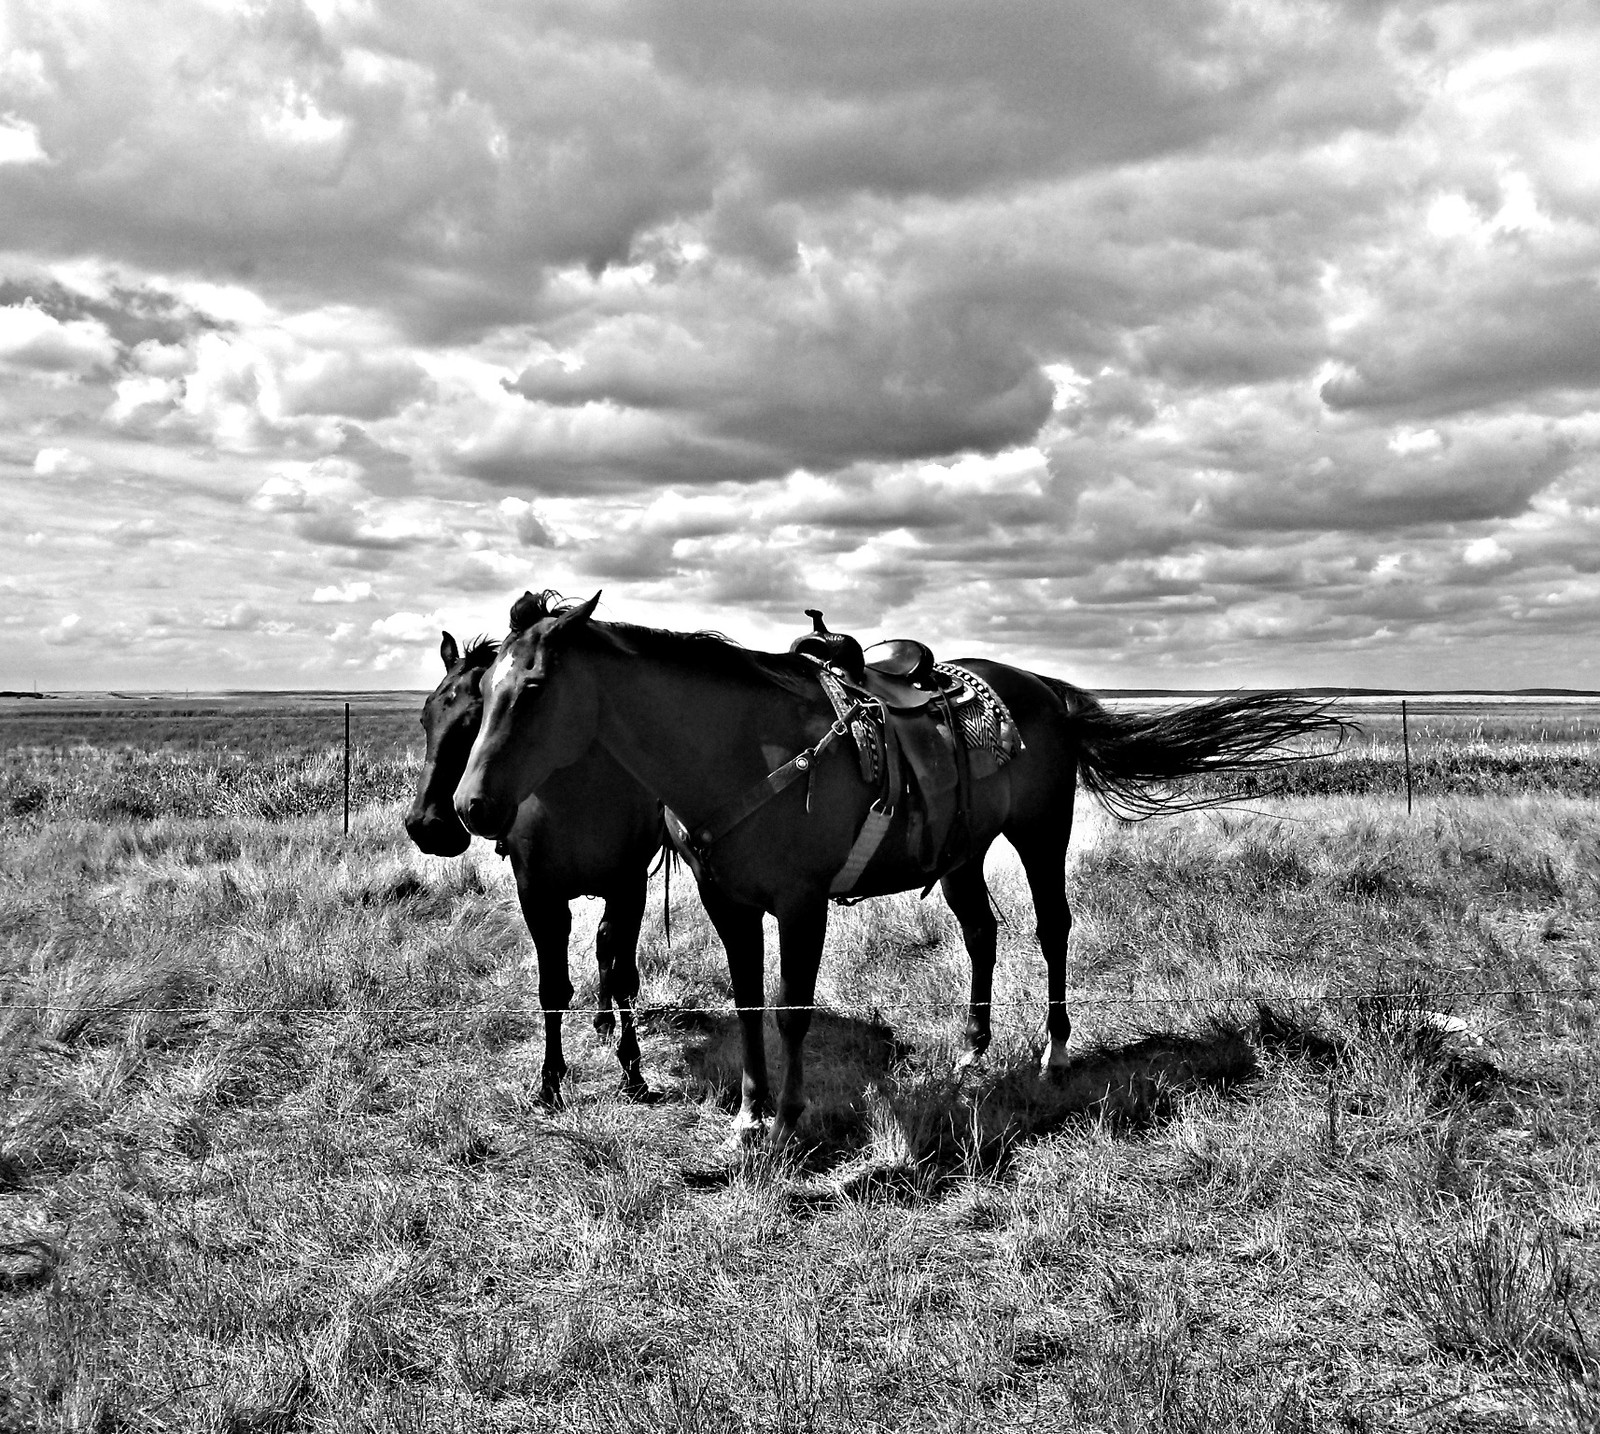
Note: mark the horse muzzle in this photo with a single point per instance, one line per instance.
(438, 835)
(484, 816)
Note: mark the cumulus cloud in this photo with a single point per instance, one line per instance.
(1485, 553)
(350, 592)
(241, 617)
(1141, 334)
(19, 142)
(411, 628)
(525, 523)
(839, 370)
(328, 506)
(60, 462)
(67, 631)
(31, 339)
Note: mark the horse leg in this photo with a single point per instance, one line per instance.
(742, 938)
(800, 936)
(550, 924)
(617, 954)
(967, 895)
(1044, 859)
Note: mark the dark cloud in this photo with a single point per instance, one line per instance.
(848, 376)
(530, 532)
(475, 575)
(636, 557)
(1476, 477)
(441, 164)
(384, 470)
(602, 451)
(1501, 341)
(131, 315)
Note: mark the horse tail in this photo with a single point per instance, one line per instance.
(1122, 756)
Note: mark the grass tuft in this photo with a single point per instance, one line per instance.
(1497, 1287)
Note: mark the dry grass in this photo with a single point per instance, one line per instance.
(271, 1157)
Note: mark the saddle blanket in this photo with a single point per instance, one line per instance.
(924, 762)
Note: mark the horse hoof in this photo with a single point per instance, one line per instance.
(971, 1061)
(605, 1025)
(749, 1132)
(550, 1097)
(636, 1088)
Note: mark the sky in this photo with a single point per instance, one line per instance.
(1210, 343)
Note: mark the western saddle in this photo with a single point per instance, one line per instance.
(923, 731)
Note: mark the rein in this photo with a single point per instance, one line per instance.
(697, 841)
(760, 793)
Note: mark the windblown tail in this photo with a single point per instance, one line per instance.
(1123, 755)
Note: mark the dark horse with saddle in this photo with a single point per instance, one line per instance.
(898, 771)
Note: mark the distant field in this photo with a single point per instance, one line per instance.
(269, 755)
(263, 722)
(281, 754)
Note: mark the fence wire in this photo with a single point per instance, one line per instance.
(947, 1005)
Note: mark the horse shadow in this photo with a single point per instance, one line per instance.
(917, 1128)
(971, 1123)
(848, 1058)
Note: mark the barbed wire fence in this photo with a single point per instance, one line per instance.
(1081, 999)
(348, 798)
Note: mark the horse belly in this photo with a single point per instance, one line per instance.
(900, 863)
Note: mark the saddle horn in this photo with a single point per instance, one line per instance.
(837, 649)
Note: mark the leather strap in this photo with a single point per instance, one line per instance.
(757, 796)
(867, 842)
(879, 815)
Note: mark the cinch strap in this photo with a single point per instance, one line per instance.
(868, 840)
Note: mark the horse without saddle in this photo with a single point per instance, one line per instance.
(924, 731)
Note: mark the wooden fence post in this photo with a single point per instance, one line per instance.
(1405, 741)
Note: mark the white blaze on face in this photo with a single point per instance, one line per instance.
(501, 670)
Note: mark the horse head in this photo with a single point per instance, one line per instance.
(450, 720)
(540, 713)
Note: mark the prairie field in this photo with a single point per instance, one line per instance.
(1327, 1157)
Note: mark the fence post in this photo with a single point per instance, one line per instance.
(1405, 742)
(347, 769)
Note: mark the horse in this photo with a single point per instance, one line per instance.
(702, 723)
(590, 831)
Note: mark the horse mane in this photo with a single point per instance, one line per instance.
(535, 607)
(705, 651)
(480, 652)
(716, 655)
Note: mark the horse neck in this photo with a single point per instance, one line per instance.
(693, 739)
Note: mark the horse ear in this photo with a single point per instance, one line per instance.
(449, 651)
(575, 616)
